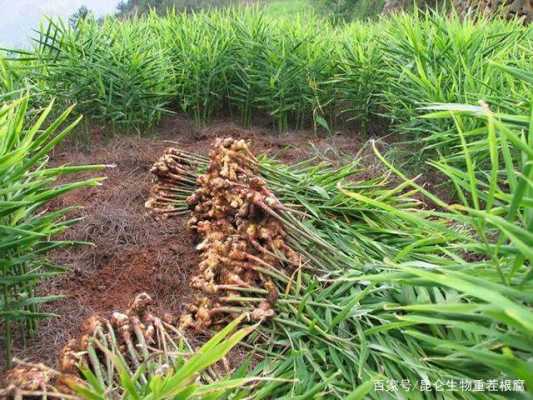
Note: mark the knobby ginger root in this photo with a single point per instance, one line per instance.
(136, 334)
(233, 214)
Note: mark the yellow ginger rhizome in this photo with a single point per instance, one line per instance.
(242, 242)
(134, 336)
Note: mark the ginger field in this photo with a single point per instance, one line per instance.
(252, 203)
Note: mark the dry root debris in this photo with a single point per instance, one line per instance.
(242, 242)
(135, 334)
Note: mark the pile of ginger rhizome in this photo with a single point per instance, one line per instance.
(235, 217)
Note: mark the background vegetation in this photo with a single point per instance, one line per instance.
(127, 8)
(298, 72)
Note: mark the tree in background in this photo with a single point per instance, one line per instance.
(82, 13)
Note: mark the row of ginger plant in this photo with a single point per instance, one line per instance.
(294, 73)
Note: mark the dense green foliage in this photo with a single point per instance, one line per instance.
(27, 229)
(287, 8)
(299, 72)
(114, 76)
(437, 61)
(128, 8)
(11, 79)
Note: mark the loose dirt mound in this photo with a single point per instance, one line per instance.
(133, 252)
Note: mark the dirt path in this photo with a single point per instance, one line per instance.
(132, 252)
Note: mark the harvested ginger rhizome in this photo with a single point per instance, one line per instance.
(242, 242)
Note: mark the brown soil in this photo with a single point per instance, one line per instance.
(132, 252)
